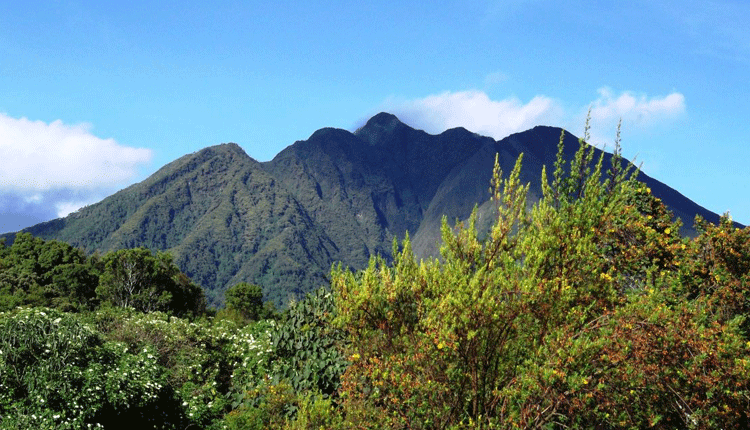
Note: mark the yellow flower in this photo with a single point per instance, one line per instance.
(355, 357)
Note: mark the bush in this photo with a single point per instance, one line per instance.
(56, 372)
(203, 361)
(576, 314)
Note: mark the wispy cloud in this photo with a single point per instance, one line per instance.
(637, 109)
(52, 169)
(18, 211)
(66, 207)
(477, 112)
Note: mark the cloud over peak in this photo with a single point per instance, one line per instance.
(477, 112)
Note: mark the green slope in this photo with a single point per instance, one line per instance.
(337, 196)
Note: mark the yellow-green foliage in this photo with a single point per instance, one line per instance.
(572, 314)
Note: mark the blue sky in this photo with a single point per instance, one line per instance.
(95, 96)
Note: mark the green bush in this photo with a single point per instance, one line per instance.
(306, 345)
(280, 406)
(204, 361)
(45, 273)
(294, 380)
(136, 278)
(56, 372)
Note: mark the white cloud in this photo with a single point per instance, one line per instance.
(475, 111)
(65, 208)
(18, 211)
(33, 198)
(37, 156)
(636, 109)
(638, 112)
(51, 170)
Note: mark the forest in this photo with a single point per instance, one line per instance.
(586, 310)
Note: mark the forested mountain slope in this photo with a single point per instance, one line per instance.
(337, 196)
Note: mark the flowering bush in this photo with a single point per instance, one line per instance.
(290, 372)
(56, 372)
(204, 361)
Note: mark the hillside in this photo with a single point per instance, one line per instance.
(337, 196)
(221, 215)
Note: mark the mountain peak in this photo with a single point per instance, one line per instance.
(383, 119)
(229, 151)
(334, 197)
(381, 124)
(224, 148)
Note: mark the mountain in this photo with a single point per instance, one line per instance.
(223, 217)
(335, 197)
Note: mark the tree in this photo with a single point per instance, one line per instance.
(46, 273)
(247, 300)
(138, 279)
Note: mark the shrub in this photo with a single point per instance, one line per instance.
(570, 315)
(56, 372)
(203, 361)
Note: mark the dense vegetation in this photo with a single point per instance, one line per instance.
(587, 311)
(39, 273)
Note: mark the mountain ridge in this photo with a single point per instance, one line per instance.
(337, 196)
